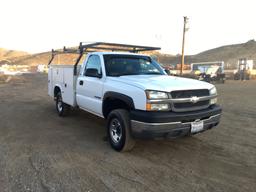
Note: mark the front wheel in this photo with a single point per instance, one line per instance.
(61, 107)
(118, 128)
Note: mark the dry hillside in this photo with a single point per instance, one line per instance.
(229, 54)
(43, 58)
(8, 54)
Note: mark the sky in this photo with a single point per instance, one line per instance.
(40, 25)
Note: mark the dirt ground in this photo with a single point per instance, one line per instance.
(40, 151)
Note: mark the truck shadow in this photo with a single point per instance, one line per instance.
(90, 129)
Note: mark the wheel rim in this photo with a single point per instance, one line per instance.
(115, 130)
(59, 104)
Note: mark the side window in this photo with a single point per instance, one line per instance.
(93, 62)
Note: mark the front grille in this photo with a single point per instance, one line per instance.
(189, 106)
(189, 93)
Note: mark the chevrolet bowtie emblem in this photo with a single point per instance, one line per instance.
(194, 99)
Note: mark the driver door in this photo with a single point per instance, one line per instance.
(90, 86)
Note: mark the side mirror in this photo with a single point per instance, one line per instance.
(92, 73)
(167, 71)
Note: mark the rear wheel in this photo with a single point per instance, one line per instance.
(61, 107)
(118, 128)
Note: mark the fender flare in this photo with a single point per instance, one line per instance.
(119, 96)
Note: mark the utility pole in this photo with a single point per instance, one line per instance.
(183, 43)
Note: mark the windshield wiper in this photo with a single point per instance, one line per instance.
(123, 74)
(152, 73)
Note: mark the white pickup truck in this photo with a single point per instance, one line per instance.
(134, 94)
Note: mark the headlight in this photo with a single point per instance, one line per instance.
(156, 95)
(213, 91)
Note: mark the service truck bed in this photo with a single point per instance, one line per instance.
(63, 75)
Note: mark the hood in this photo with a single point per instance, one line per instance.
(162, 82)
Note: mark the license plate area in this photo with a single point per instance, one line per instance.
(197, 126)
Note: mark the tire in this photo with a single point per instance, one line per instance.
(119, 132)
(61, 107)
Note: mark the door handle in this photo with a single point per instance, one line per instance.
(81, 82)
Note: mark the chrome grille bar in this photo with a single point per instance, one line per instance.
(182, 100)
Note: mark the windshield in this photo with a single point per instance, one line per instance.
(119, 65)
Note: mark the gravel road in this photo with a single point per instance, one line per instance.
(40, 151)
